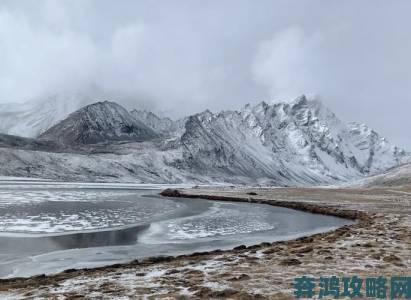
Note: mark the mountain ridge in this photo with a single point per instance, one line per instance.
(297, 143)
(96, 123)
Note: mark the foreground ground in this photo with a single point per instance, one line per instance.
(378, 245)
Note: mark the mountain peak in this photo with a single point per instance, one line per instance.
(102, 105)
(300, 101)
(99, 122)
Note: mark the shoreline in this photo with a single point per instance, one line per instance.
(314, 209)
(306, 207)
(287, 254)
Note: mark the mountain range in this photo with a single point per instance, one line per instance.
(286, 144)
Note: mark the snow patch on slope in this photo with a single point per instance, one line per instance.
(298, 143)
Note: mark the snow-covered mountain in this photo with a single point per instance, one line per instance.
(164, 126)
(31, 118)
(373, 152)
(301, 142)
(100, 122)
(397, 176)
(298, 143)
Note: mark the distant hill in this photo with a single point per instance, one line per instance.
(398, 176)
(98, 123)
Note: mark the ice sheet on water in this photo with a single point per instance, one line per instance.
(41, 209)
(221, 220)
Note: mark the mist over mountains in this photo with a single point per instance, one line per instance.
(297, 143)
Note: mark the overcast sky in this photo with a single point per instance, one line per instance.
(181, 57)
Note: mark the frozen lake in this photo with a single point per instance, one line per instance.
(46, 227)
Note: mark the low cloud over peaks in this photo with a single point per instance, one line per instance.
(288, 63)
(182, 57)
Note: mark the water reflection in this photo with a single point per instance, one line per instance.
(48, 243)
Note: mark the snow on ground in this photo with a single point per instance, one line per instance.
(19, 179)
(377, 245)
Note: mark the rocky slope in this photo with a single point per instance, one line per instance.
(398, 176)
(98, 123)
(17, 142)
(164, 126)
(374, 153)
(298, 143)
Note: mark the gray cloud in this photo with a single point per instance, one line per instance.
(182, 57)
(285, 64)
